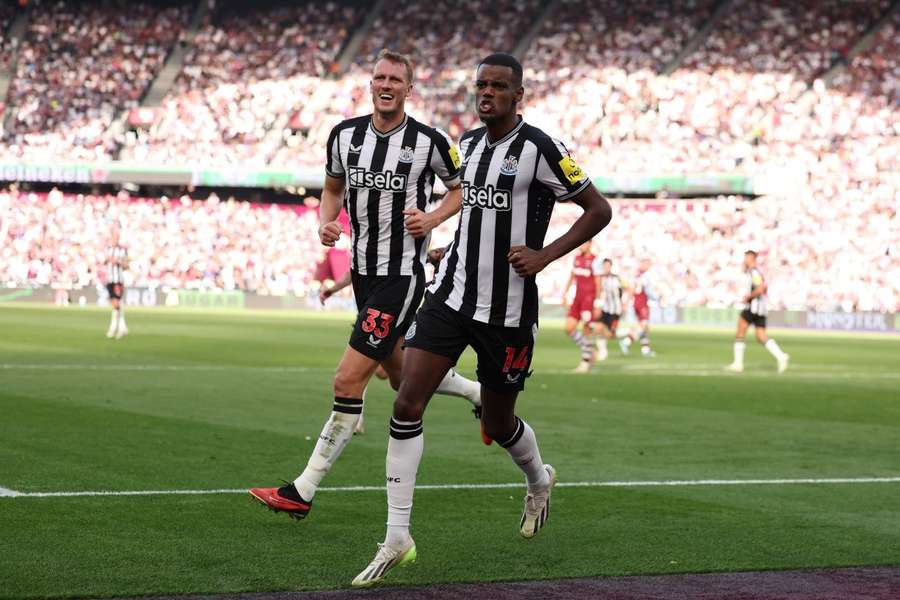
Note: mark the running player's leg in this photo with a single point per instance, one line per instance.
(122, 329)
(771, 345)
(116, 305)
(424, 372)
(504, 362)
(573, 330)
(453, 384)
(739, 346)
(350, 380)
(433, 345)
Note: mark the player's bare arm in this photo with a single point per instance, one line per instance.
(329, 209)
(597, 215)
(326, 292)
(419, 223)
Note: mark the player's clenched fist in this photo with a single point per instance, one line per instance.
(418, 223)
(525, 261)
(329, 233)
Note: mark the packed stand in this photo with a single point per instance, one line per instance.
(60, 240)
(249, 70)
(79, 66)
(7, 14)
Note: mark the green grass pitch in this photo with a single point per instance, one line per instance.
(199, 401)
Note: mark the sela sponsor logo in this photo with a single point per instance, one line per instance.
(407, 155)
(510, 166)
(488, 197)
(387, 181)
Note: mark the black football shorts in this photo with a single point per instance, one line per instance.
(504, 353)
(387, 306)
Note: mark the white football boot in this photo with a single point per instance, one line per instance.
(385, 559)
(537, 507)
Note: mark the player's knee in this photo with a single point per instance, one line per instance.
(348, 385)
(499, 429)
(408, 408)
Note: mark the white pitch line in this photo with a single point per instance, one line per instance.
(478, 486)
(8, 493)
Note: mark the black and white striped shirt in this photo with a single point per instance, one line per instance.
(612, 294)
(385, 174)
(509, 188)
(115, 268)
(758, 305)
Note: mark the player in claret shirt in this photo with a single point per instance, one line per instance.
(581, 309)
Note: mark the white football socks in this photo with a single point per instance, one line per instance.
(334, 437)
(739, 347)
(454, 384)
(774, 350)
(583, 344)
(522, 447)
(404, 453)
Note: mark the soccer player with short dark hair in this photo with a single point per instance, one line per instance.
(117, 262)
(612, 304)
(485, 296)
(754, 313)
(641, 294)
(382, 168)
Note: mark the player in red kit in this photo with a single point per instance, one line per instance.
(643, 289)
(582, 306)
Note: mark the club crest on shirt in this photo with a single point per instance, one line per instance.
(407, 155)
(510, 166)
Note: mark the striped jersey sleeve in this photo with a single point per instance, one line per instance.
(444, 160)
(557, 170)
(333, 164)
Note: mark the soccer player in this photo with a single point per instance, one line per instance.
(643, 289)
(485, 296)
(754, 313)
(585, 293)
(611, 307)
(382, 168)
(116, 263)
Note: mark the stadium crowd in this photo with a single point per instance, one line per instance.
(247, 73)
(61, 239)
(259, 88)
(843, 256)
(79, 66)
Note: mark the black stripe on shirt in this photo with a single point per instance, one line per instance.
(350, 198)
(503, 240)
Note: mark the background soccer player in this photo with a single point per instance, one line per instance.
(611, 306)
(754, 313)
(644, 288)
(382, 167)
(584, 277)
(117, 262)
(485, 296)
